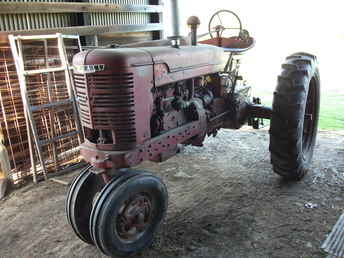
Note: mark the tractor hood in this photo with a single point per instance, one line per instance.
(176, 59)
(113, 59)
(186, 57)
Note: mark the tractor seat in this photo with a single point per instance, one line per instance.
(232, 44)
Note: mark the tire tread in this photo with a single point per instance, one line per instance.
(288, 104)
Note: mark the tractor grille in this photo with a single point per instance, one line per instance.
(106, 102)
(82, 97)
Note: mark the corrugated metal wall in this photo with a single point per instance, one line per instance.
(13, 22)
(9, 22)
(119, 18)
(93, 19)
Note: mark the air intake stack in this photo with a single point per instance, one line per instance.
(193, 22)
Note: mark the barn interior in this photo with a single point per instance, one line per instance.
(223, 198)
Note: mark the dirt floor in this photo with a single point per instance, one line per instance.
(224, 201)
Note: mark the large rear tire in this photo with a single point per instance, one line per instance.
(295, 116)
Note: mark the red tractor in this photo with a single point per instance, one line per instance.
(139, 102)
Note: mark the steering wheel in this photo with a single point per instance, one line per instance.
(219, 27)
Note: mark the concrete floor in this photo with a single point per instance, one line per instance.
(224, 201)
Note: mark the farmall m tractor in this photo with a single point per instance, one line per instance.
(139, 102)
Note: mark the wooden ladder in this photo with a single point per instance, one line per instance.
(16, 43)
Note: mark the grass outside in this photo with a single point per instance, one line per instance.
(331, 109)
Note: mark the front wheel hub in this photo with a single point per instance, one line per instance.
(134, 217)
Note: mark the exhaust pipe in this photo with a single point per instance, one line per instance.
(175, 39)
(175, 18)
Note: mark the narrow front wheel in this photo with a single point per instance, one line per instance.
(127, 214)
(79, 201)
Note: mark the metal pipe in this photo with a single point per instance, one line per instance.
(259, 111)
(175, 18)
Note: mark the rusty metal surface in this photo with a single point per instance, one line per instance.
(12, 119)
(151, 150)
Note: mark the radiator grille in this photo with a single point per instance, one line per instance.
(82, 97)
(106, 102)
